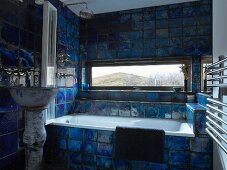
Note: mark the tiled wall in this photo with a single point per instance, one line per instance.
(76, 149)
(67, 42)
(20, 36)
(164, 110)
(202, 98)
(182, 30)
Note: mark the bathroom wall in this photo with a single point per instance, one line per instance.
(181, 30)
(20, 36)
(163, 31)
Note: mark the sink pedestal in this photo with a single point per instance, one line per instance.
(34, 137)
(33, 100)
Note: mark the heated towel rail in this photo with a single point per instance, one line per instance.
(216, 117)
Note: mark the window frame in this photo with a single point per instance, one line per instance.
(103, 63)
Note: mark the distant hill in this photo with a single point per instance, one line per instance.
(120, 79)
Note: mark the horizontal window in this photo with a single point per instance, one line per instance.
(162, 75)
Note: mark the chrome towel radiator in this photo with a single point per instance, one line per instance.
(216, 118)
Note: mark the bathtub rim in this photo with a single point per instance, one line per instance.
(168, 133)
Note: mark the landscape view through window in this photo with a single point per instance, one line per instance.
(142, 75)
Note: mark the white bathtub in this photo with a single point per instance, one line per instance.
(171, 127)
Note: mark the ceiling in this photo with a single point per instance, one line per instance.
(105, 6)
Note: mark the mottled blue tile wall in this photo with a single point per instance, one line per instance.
(182, 30)
(67, 43)
(20, 36)
(165, 110)
(145, 96)
(196, 74)
(94, 149)
(202, 98)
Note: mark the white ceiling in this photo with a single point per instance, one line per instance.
(104, 6)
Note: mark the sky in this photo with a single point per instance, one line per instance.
(144, 71)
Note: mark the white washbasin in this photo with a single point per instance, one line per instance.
(32, 97)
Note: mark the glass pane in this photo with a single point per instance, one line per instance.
(143, 75)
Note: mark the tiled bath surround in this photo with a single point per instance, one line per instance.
(131, 108)
(76, 148)
(21, 36)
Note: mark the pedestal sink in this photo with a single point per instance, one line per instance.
(33, 101)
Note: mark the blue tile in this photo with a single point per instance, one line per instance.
(112, 108)
(74, 145)
(175, 23)
(137, 17)
(151, 110)
(200, 123)
(105, 149)
(189, 22)
(61, 157)
(179, 111)
(162, 24)
(60, 96)
(175, 32)
(100, 107)
(137, 109)
(179, 157)
(104, 162)
(124, 109)
(175, 12)
(202, 145)
(148, 34)
(69, 95)
(75, 133)
(162, 33)
(163, 42)
(10, 34)
(105, 136)
(166, 144)
(178, 143)
(149, 43)
(60, 110)
(155, 166)
(176, 42)
(138, 165)
(61, 23)
(121, 164)
(61, 144)
(165, 111)
(8, 144)
(9, 57)
(89, 147)
(74, 159)
(137, 26)
(26, 40)
(90, 135)
(161, 14)
(152, 97)
(149, 25)
(190, 31)
(89, 159)
(149, 15)
(60, 131)
(83, 106)
(8, 122)
(200, 161)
